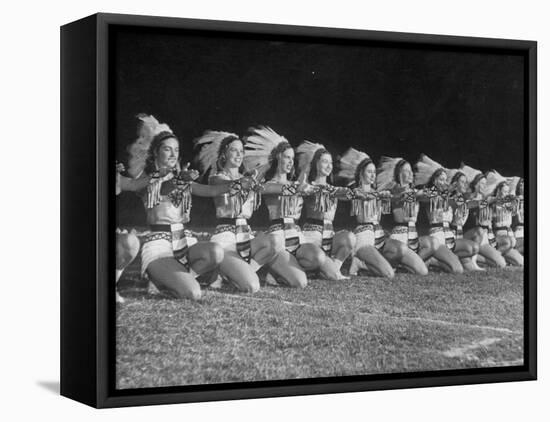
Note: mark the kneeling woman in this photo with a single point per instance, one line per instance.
(479, 227)
(273, 157)
(517, 187)
(503, 208)
(170, 255)
(373, 250)
(315, 165)
(222, 155)
(441, 210)
(396, 175)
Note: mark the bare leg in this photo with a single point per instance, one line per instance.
(491, 256)
(234, 268)
(400, 254)
(449, 261)
(465, 249)
(504, 244)
(205, 256)
(127, 248)
(263, 248)
(476, 235)
(168, 274)
(342, 245)
(286, 268)
(310, 257)
(426, 247)
(513, 257)
(375, 261)
(519, 245)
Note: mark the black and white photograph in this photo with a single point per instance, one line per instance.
(275, 211)
(298, 208)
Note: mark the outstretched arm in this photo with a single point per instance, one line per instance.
(124, 183)
(134, 185)
(211, 190)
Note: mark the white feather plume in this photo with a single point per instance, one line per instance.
(494, 178)
(469, 172)
(138, 151)
(513, 182)
(305, 151)
(386, 168)
(261, 141)
(425, 168)
(348, 163)
(209, 144)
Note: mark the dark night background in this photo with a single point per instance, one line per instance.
(385, 100)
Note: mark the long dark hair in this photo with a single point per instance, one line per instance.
(274, 161)
(499, 187)
(454, 180)
(435, 175)
(360, 169)
(220, 163)
(156, 143)
(476, 180)
(313, 166)
(521, 182)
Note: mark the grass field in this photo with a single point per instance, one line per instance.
(362, 326)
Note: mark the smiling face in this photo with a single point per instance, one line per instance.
(504, 190)
(168, 153)
(324, 165)
(481, 185)
(462, 185)
(441, 181)
(285, 161)
(521, 187)
(234, 154)
(369, 174)
(406, 174)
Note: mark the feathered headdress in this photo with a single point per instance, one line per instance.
(139, 150)
(306, 150)
(349, 162)
(469, 172)
(260, 145)
(494, 178)
(209, 144)
(385, 179)
(425, 168)
(513, 182)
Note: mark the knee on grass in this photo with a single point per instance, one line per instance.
(185, 292)
(386, 271)
(249, 284)
(499, 262)
(298, 281)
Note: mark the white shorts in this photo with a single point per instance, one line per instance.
(160, 248)
(370, 235)
(321, 235)
(234, 237)
(443, 235)
(288, 234)
(506, 231)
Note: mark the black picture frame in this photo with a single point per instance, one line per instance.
(87, 226)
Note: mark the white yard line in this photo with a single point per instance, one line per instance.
(416, 319)
(465, 351)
